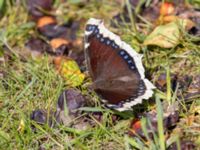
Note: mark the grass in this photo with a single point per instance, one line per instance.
(28, 84)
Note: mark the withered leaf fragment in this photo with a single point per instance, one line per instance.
(35, 7)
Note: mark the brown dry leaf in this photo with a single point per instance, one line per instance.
(72, 98)
(170, 118)
(187, 23)
(68, 103)
(35, 47)
(42, 117)
(166, 36)
(35, 7)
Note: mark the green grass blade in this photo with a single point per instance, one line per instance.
(168, 78)
(160, 124)
(135, 143)
(131, 16)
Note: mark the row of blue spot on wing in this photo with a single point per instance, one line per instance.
(128, 59)
(90, 28)
(94, 29)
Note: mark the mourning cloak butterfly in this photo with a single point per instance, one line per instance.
(115, 68)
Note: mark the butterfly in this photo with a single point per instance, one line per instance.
(115, 68)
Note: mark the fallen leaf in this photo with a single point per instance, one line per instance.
(161, 82)
(166, 36)
(67, 107)
(186, 23)
(170, 118)
(72, 98)
(48, 27)
(41, 117)
(35, 7)
(60, 46)
(36, 47)
(167, 8)
(69, 69)
(54, 31)
(46, 20)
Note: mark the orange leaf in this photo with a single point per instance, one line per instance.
(167, 9)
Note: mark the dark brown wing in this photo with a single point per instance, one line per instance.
(112, 77)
